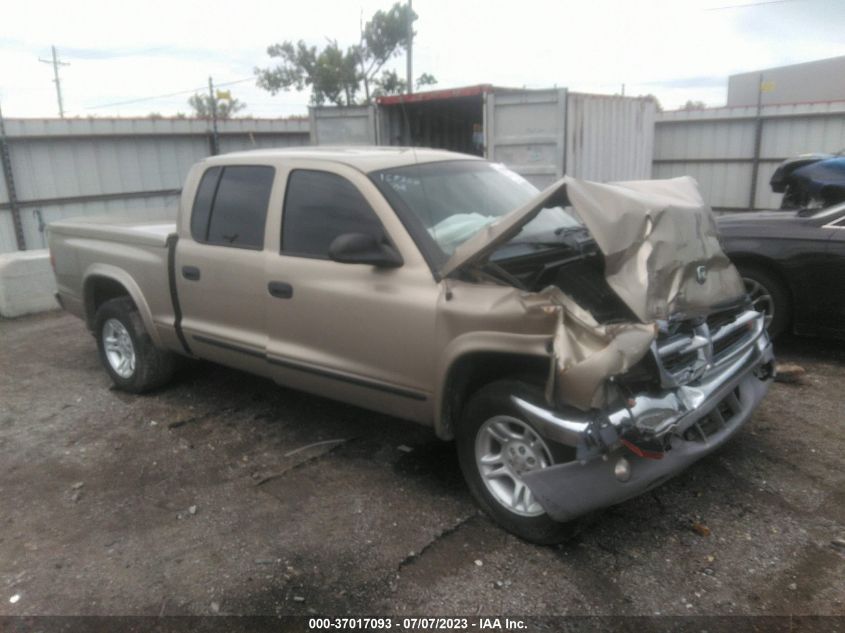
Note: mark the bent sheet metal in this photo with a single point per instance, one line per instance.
(662, 257)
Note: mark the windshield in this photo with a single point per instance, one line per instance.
(453, 200)
(825, 212)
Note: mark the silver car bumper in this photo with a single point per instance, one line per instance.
(689, 421)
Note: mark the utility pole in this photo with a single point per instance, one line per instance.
(410, 79)
(758, 141)
(56, 62)
(215, 137)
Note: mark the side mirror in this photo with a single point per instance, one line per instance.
(364, 248)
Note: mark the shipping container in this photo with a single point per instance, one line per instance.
(541, 134)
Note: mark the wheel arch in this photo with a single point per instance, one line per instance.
(473, 369)
(103, 282)
(771, 266)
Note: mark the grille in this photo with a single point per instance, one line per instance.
(686, 350)
(714, 421)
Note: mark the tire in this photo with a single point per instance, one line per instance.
(491, 406)
(126, 350)
(768, 295)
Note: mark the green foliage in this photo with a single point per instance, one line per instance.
(390, 83)
(226, 108)
(330, 73)
(335, 75)
(658, 106)
(426, 79)
(384, 36)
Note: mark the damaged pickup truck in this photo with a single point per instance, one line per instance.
(581, 344)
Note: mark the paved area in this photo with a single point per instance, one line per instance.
(226, 494)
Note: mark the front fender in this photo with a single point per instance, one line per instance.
(531, 346)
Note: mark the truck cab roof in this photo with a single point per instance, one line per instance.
(364, 158)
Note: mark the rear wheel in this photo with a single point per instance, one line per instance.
(496, 446)
(769, 296)
(126, 350)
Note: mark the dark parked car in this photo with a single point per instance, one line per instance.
(810, 181)
(793, 265)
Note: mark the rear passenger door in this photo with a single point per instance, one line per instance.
(220, 266)
(353, 332)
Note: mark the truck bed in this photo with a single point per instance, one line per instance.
(131, 252)
(149, 233)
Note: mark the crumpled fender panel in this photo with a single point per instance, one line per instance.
(586, 352)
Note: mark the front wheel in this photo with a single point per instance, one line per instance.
(496, 446)
(768, 296)
(127, 352)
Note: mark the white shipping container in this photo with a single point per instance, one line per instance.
(540, 134)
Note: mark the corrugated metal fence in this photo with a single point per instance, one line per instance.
(732, 152)
(71, 167)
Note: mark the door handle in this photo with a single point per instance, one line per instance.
(280, 289)
(191, 273)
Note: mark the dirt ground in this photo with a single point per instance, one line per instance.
(226, 494)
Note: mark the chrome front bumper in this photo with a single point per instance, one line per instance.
(689, 421)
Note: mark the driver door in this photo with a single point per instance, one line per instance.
(353, 332)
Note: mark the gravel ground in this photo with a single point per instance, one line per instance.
(224, 494)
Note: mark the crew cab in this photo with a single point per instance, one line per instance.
(580, 344)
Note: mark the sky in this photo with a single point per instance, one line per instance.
(126, 51)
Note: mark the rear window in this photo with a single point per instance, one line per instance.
(230, 208)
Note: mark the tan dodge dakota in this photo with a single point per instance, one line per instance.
(580, 344)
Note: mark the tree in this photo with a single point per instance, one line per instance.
(426, 79)
(331, 73)
(335, 75)
(383, 37)
(390, 83)
(656, 101)
(226, 105)
(694, 105)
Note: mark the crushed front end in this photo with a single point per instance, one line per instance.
(707, 376)
(656, 357)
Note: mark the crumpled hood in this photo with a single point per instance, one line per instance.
(658, 238)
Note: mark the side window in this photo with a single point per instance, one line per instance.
(202, 204)
(230, 208)
(319, 206)
(240, 206)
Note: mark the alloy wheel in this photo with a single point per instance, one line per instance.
(119, 349)
(505, 448)
(761, 299)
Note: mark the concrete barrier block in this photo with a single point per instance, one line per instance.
(27, 284)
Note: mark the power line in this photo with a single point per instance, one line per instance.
(169, 94)
(56, 62)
